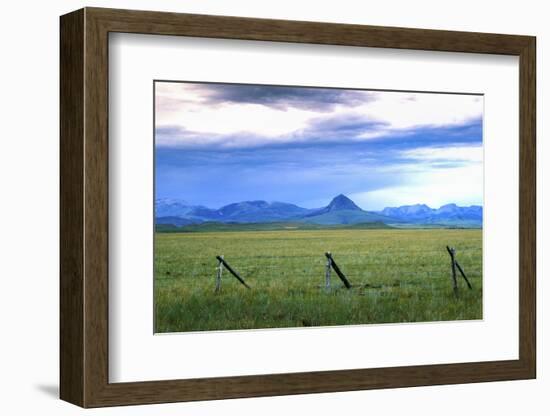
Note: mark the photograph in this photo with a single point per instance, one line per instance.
(279, 206)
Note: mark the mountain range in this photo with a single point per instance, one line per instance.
(340, 211)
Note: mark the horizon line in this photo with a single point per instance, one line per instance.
(292, 203)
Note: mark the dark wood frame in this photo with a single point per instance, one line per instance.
(84, 207)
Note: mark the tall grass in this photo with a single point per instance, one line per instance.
(397, 276)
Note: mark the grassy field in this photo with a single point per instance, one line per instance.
(397, 276)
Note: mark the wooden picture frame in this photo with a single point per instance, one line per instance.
(84, 207)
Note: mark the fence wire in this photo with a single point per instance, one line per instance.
(358, 269)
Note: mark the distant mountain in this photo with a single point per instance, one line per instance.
(449, 214)
(407, 212)
(340, 211)
(260, 211)
(241, 212)
(166, 207)
(340, 203)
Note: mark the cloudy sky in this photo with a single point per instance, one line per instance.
(222, 143)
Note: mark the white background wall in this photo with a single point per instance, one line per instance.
(29, 207)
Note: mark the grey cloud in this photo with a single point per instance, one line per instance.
(284, 98)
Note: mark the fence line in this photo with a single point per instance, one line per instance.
(350, 270)
(410, 274)
(439, 252)
(331, 265)
(353, 267)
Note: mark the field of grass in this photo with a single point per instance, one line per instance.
(266, 226)
(397, 276)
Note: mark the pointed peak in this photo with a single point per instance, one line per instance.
(341, 202)
(341, 197)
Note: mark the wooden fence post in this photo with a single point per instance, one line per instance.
(451, 252)
(233, 272)
(463, 275)
(454, 266)
(341, 275)
(327, 272)
(219, 275)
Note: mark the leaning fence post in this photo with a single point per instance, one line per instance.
(451, 251)
(233, 272)
(463, 274)
(219, 275)
(327, 272)
(454, 266)
(337, 270)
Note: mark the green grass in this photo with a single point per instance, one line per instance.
(397, 276)
(265, 226)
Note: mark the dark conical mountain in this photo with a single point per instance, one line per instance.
(341, 202)
(338, 203)
(342, 210)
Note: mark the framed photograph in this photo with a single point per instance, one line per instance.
(254, 207)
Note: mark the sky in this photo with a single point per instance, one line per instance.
(217, 144)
